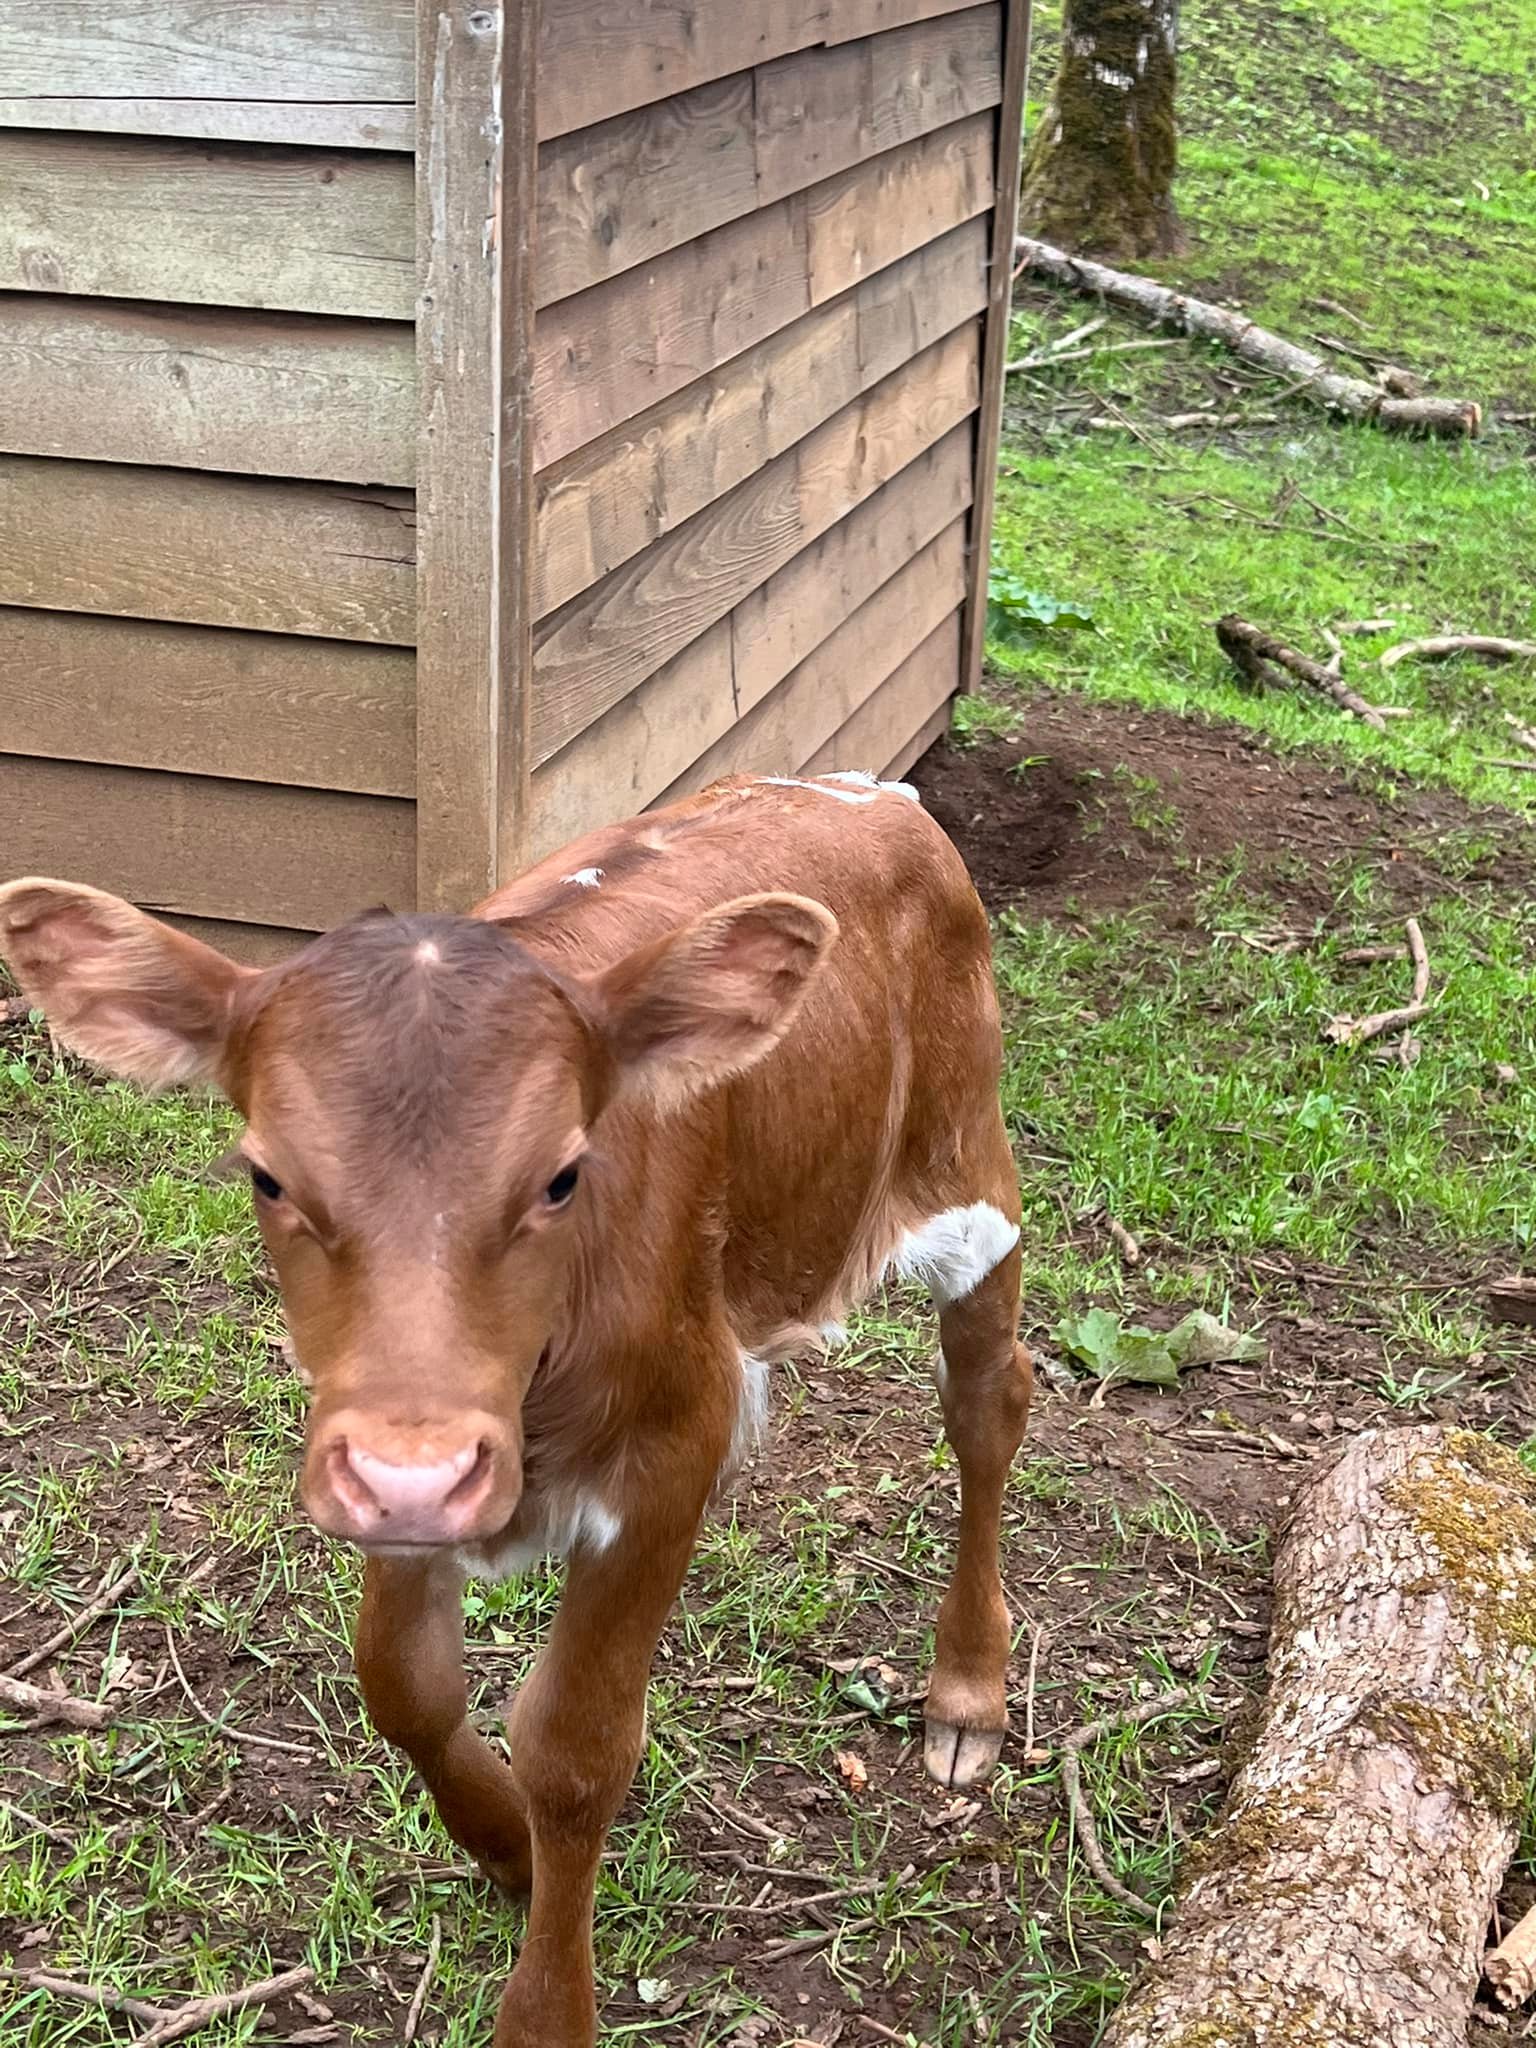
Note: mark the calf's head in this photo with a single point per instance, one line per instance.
(422, 1102)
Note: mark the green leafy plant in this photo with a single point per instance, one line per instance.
(1108, 1349)
(1015, 612)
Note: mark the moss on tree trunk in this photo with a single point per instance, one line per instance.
(1098, 173)
(1342, 1898)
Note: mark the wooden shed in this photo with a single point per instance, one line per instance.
(431, 427)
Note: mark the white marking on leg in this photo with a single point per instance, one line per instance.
(953, 1252)
(751, 1409)
(834, 1335)
(940, 1372)
(584, 878)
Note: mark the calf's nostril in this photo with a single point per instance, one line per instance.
(475, 1480)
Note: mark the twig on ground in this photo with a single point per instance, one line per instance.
(1335, 662)
(77, 1624)
(424, 1982)
(737, 1817)
(1418, 954)
(1353, 397)
(1361, 1030)
(223, 1727)
(197, 2012)
(1363, 626)
(1511, 1967)
(1036, 1637)
(87, 1994)
(1520, 767)
(1072, 1747)
(803, 1944)
(1125, 1244)
(1436, 649)
(1367, 956)
(1251, 652)
(53, 1706)
(1338, 311)
(1523, 733)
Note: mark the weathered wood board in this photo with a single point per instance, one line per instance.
(262, 707)
(208, 550)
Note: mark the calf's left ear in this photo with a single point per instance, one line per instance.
(120, 988)
(687, 1011)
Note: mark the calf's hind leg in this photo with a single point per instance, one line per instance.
(984, 1385)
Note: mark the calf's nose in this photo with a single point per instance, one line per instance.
(393, 1491)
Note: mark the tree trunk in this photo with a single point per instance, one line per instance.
(1098, 175)
(1342, 1899)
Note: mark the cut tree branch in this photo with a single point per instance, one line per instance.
(1251, 651)
(1511, 1967)
(1440, 418)
(52, 1706)
(1437, 649)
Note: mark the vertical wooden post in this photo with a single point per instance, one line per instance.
(476, 163)
(994, 347)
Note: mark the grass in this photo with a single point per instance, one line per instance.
(1375, 154)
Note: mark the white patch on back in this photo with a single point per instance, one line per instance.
(584, 878)
(751, 1409)
(860, 786)
(953, 1252)
(578, 1522)
(427, 954)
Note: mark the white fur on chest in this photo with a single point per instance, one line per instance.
(575, 1518)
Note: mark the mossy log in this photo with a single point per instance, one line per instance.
(1342, 1898)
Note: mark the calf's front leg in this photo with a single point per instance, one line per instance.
(409, 1654)
(576, 1730)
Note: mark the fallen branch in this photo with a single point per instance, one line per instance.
(1361, 1030)
(1348, 626)
(1366, 956)
(1459, 643)
(1072, 1748)
(1344, 1893)
(1511, 1967)
(1251, 651)
(52, 1706)
(424, 1982)
(1354, 397)
(1513, 1300)
(103, 1999)
(1523, 733)
(77, 1624)
(197, 2012)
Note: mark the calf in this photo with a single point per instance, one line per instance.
(548, 1188)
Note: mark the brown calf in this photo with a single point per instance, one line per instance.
(547, 1188)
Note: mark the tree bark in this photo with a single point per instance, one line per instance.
(1342, 1899)
(1450, 419)
(1098, 173)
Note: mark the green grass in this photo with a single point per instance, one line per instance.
(1330, 151)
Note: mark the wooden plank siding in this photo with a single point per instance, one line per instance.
(609, 352)
(208, 550)
(1005, 217)
(474, 339)
(276, 394)
(260, 707)
(607, 501)
(239, 850)
(310, 68)
(623, 760)
(630, 189)
(818, 698)
(596, 649)
(890, 728)
(217, 224)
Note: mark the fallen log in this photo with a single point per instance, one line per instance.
(1251, 652)
(1513, 1300)
(1343, 1895)
(1449, 419)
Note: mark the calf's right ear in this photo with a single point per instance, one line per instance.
(120, 988)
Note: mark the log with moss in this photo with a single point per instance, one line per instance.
(1343, 1896)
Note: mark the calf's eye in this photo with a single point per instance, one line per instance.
(265, 1185)
(562, 1187)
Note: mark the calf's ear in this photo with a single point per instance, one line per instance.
(120, 988)
(707, 1001)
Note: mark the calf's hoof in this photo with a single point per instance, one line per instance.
(956, 1757)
